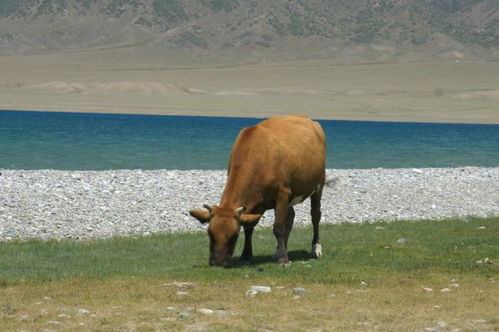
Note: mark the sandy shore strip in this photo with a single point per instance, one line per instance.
(50, 204)
(155, 83)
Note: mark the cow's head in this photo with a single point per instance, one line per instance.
(223, 229)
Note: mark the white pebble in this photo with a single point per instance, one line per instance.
(258, 289)
(261, 289)
(299, 290)
(442, 323)
(206, 311)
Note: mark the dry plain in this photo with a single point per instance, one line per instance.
(133, 80)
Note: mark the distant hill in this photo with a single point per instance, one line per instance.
(382, 29)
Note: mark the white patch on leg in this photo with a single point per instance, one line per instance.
(317, 250)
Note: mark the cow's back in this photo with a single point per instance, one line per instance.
(286, 150)
(300, 145)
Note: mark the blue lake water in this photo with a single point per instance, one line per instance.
(75, 141)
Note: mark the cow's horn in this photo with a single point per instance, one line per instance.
(208, 207)
(240, 210)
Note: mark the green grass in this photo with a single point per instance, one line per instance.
(124, 284)
(352, 253)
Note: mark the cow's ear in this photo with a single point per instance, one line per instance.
(201, 215)
(210, 208)
(247, 218)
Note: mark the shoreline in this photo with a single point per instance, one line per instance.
(49, 204)
(256, 115)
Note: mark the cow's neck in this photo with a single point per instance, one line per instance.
(239, 191)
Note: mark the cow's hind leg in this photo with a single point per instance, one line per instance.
(315, 211)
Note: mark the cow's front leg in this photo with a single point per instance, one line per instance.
(280, 232)
(247, 254)
(289, 224)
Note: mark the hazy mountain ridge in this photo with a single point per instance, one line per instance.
(458, 27)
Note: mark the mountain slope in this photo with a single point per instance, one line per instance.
(469, 27)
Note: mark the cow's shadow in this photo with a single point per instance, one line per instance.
(295, 255)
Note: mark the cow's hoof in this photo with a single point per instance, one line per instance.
(244, 261)
(279, 254)
(317, 250)
(284, 262)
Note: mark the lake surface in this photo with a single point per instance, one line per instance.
(75, 141)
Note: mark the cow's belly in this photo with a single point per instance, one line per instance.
(300, 198)
(297, 200)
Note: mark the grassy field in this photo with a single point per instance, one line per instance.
(132, 80)
(368, 279)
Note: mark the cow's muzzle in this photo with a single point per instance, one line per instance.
(224, 261)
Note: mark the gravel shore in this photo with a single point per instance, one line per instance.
(98, 204)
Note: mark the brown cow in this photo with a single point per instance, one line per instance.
(274, 165)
